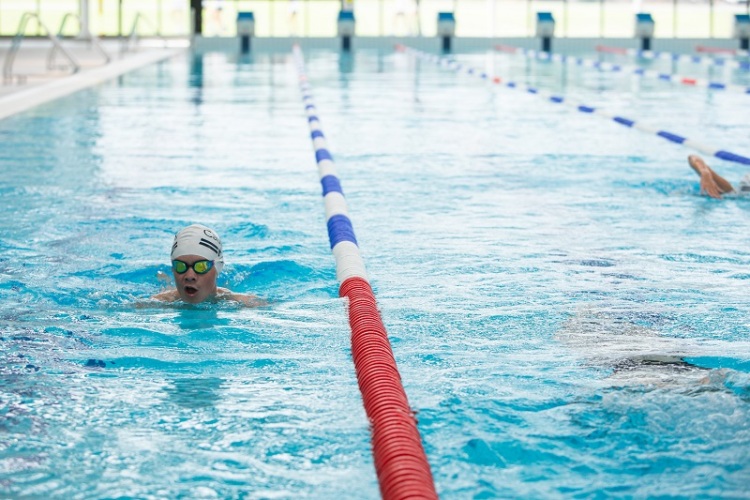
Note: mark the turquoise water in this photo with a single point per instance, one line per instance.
(567, 313)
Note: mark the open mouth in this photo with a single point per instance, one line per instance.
(191, 290)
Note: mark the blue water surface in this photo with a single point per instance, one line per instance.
(567, 312)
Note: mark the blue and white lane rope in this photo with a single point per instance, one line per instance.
(341, 236)
(676, 138)
(608, 66)
(671, 56)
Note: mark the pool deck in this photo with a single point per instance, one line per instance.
(34, 83)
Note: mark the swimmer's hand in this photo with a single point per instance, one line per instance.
(711, 183)
(709, 187)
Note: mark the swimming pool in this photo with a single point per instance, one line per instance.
(532, 265)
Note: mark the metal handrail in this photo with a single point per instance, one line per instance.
(16, 45)
(132, 38)
(88, 37)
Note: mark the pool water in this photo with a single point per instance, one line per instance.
(567, 312)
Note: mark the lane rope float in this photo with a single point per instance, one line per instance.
(720, 50)
(400, 461)
(670, 136)
(608, 66)
(649, 54)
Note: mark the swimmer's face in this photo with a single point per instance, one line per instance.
(194, 288)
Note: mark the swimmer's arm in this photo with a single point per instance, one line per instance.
(244, 299)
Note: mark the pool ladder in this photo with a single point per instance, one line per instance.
(57, 47)
(130, 42)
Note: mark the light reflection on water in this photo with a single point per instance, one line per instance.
(542, 275)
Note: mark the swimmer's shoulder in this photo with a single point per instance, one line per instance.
(245, 299)
(167, 296)
(159, 300)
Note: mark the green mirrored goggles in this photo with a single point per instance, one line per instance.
(199, 266)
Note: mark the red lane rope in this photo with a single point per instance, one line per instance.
(714, 50)
(506, 48)
(611, 50)
(400, 461)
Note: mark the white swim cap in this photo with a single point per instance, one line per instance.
(199, 240)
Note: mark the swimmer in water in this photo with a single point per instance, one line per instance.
(637, 355)
(712, 183)
(197, 260)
